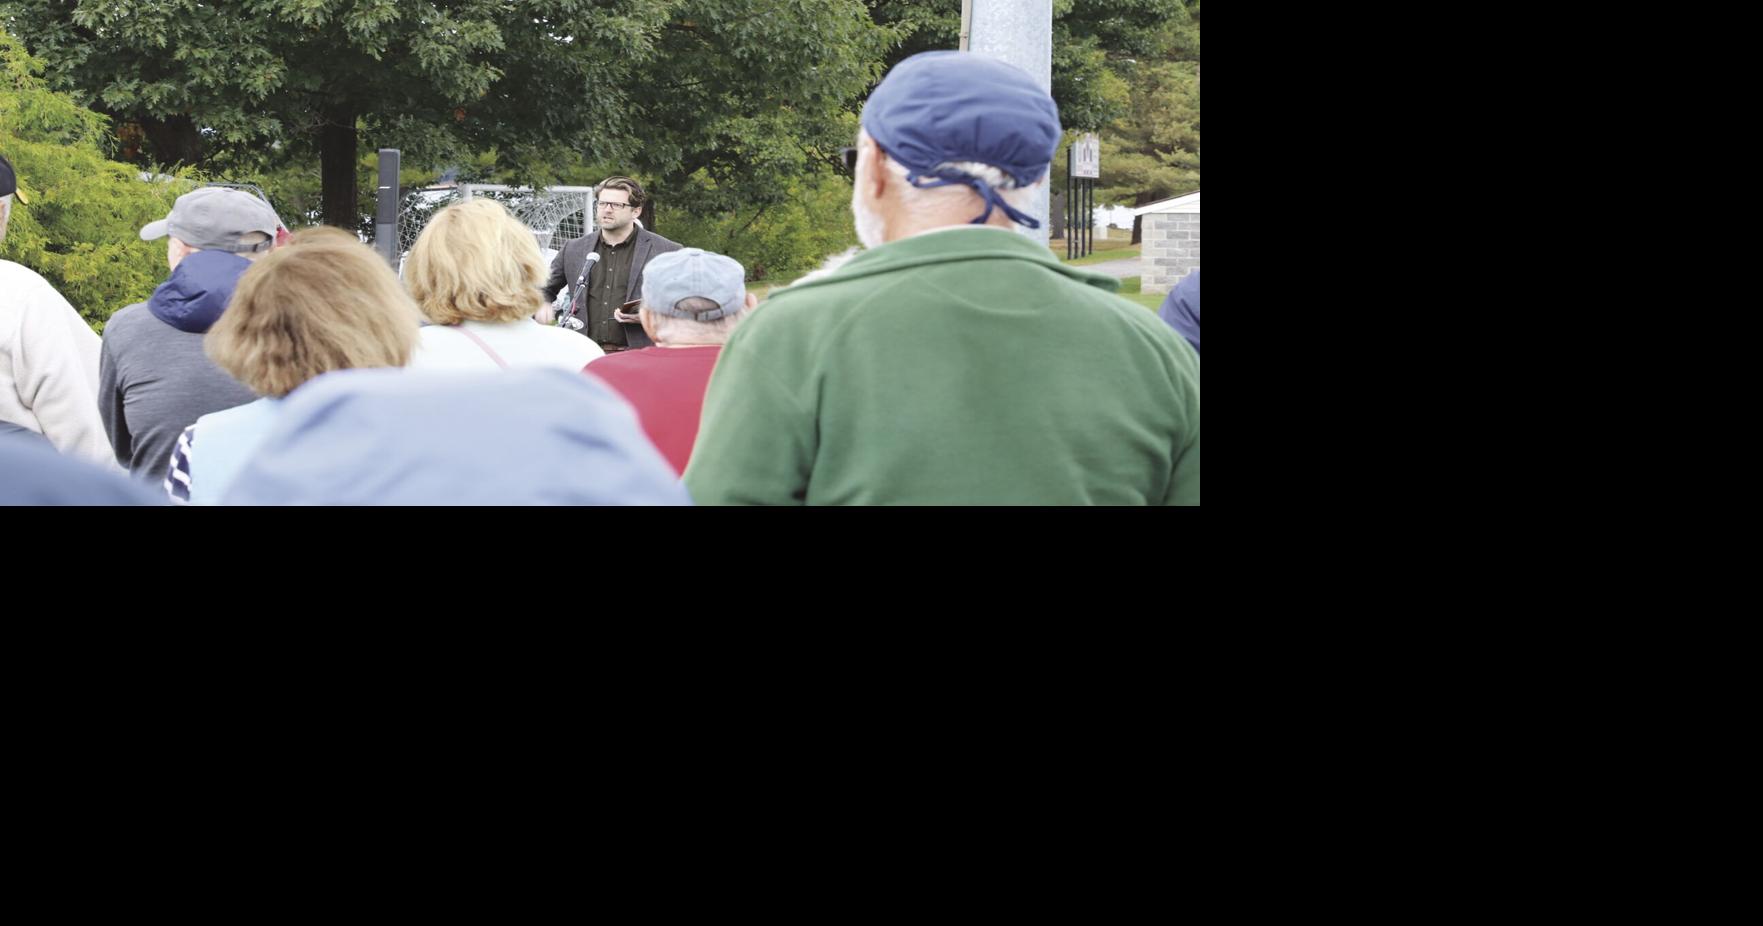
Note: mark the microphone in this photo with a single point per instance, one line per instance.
(572, 295)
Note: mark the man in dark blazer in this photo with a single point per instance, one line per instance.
(617, 277)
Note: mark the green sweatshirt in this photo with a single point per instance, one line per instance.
(959, 367)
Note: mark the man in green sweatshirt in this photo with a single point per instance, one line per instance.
(954, 362)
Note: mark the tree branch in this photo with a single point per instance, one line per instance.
(729, 242)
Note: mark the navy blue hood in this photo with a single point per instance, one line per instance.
(198, 290)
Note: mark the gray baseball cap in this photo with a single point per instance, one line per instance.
(213, 218)
(687, 272)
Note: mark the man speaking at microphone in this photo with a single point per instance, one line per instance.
(624, 247)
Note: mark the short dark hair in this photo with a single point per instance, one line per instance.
(631, 187)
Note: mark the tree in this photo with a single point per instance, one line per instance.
(1088, 38)
(753, 95)
(1152, 151)
(286, 78)
(81, 229)
(810, 220)
(728, 109)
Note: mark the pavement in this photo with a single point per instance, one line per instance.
(1119, 269)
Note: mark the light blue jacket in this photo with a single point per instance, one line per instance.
(431, 437)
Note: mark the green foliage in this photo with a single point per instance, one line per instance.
(277, 81)
(1154, 153)
(746, 92)
(1092, 40)
(749, 97)
(808, 222)
(81, 229)
(1151, 150)
(730, 111)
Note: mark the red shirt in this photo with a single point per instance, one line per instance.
(666, 384)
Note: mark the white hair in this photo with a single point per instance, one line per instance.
(671, 330)
(829, 266)
(254, 238)
(5, 214)
(245, 238)
(1017, 195)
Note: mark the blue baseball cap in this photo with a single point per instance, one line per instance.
(940, 107)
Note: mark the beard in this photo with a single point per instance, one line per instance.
(870, 230)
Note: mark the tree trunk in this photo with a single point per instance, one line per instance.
(337, 144)
(175, 140)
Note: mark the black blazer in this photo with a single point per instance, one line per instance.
(567, 265)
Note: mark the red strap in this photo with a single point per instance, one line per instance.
(480, 342)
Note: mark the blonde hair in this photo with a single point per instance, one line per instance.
(476, 262)
(321, 303)
(328, 234)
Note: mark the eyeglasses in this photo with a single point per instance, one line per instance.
(605, 205)
(850, 156)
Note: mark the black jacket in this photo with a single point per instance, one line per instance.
(567, 265)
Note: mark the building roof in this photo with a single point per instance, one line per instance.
(1188, 203)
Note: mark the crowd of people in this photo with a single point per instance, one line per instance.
(951, 361)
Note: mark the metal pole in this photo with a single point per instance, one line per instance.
(1070, 207)
(966, 22)
(1020, 32)
(385, 223)
(1089, 217)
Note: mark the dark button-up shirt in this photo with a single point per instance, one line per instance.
(608, 281)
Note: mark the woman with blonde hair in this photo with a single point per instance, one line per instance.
(323, 302)
(476, 272)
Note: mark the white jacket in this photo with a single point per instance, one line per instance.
(524, 343)
(49, 367)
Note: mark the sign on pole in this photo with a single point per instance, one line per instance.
(1088, 160)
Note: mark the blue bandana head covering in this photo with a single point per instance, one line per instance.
(941, 107)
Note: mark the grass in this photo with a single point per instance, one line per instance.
(1101, 249)
(1104, 249)
(1129, 290)
(1123, 252)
